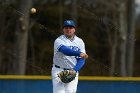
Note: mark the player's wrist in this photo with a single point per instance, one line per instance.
(72, 71)
(83, 55)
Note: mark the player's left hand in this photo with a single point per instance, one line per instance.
(67, 76)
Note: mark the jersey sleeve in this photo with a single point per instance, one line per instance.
(80, 64)
(57, 44)
(82, 46)
(68, 51)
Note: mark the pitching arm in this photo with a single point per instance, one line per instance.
(80, 64)
(68, 51)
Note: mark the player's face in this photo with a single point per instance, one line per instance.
(69, 31)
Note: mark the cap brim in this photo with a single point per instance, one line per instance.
(68, 26)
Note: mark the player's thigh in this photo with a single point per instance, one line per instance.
(54, 73)
(58, 86)
(72, 86)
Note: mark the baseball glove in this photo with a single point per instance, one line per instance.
(67, 76)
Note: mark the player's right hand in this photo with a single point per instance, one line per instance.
(84, 55)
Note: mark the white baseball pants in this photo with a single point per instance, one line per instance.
(60, 87)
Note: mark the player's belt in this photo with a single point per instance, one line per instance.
(61, 67)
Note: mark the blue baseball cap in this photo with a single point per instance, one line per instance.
(69, 23)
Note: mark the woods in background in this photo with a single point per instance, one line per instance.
(107, 27)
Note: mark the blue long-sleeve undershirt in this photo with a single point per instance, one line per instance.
(68, 51)
(80, 64)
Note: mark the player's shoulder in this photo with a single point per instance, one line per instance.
(60, 38)
(78, 38)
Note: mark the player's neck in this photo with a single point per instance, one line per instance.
(70, 37)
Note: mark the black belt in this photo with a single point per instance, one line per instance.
(61, 68)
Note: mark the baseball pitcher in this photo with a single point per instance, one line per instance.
(69, 57)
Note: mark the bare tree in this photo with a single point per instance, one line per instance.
(5, 29)
(122, 46)
(19, 64)
(113, 42)
(74, 9)
(130, 37)
(2, 27)
(60, 14)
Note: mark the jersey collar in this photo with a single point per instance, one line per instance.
(69, 38)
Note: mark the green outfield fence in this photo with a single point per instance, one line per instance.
(87, 84)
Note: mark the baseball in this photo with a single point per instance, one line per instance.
(33, 10)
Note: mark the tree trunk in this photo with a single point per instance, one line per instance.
(19, 64)
(130, 37)
(74, 9)
(3, 30)
(113, 45)
(2, 14)
(60, 14)
(123, 39)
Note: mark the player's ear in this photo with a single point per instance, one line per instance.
(74, 30)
